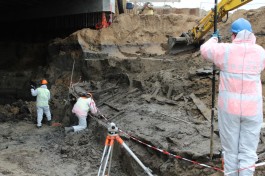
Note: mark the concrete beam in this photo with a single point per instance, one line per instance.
(61, 8)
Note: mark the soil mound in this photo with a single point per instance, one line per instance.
(133, 35)
(128, 28)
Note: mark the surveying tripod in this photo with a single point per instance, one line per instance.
(108, 151)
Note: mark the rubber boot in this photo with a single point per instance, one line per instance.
(68, 130)
(49, 123)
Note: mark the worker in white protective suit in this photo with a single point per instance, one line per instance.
(43, 97)
(240, 113)
(84, 104)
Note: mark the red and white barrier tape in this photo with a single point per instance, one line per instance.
(188, 160)
(191, 161)
(239, 170)
(170, 154)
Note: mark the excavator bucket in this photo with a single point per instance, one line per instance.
(180, 44)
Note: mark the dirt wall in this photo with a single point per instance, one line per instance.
(186, 11)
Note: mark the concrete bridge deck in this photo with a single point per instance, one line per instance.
(51, 18)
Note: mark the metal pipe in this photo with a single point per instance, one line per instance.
(213, 85)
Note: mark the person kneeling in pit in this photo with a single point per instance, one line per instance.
(84, 104)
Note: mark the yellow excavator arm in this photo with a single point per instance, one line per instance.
(194, 36)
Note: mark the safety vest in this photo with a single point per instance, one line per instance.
(43, 96)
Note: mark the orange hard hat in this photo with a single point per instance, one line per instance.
(44, 81)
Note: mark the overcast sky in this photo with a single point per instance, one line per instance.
(208, 4)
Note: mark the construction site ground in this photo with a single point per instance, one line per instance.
(162, 100)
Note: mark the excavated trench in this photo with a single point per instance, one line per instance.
(149, 98)
(150, 95)
(137, 103)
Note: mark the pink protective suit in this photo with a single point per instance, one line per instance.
(240, 113)
(80, 109)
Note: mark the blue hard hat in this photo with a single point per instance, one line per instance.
(241, 24)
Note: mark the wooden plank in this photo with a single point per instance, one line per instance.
(169, 92)
(123, 96)
(175, 118)
(119, 113)
(100, 103)
(111, 106)
(206, 112)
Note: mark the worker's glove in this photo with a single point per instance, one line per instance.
(217, 35)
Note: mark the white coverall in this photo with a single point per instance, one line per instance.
(240, 113)
(43, 97)
(80, 109)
